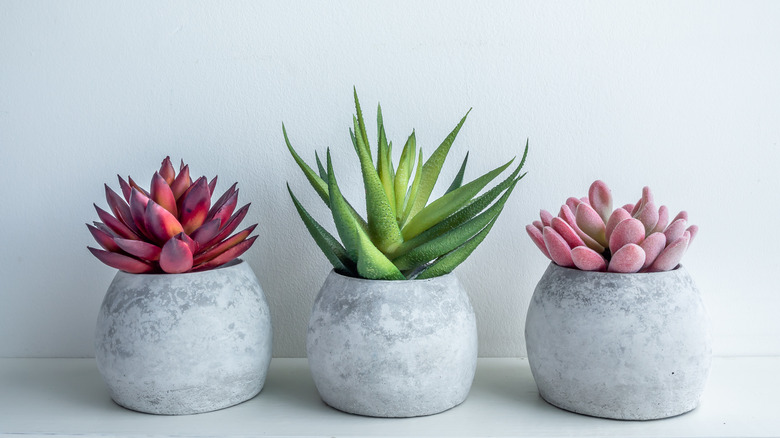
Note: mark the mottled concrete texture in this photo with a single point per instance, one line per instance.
(392, 348)
(623, 346)
(184, 343)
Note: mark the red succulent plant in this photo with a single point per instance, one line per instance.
(171, 228)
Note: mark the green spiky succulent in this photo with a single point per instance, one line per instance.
(403, 236)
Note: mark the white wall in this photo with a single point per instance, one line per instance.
(683, 97)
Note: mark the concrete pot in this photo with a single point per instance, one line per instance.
(622, 346)
(184, 343)
(392, 348)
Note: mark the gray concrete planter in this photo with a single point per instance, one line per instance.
(622, 346)
(392, 348)
(184, 343)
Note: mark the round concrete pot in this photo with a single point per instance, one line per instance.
(392, 348)
(184, 343)
(622, 346)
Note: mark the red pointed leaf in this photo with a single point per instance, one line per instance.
(228, 255)
(628, 259)
(160, 223)
(206, 233)
(181, 183)
(224, 211)
(232, 224)
(195, 206)
(138, 203)
(138, 248)
(213, 185)
(585, 259)
(162, 194)
(134, 185)
(102, 227)
(188, 240)
(221, 201)
(224, 246)
(120, 208)
(538, 239)
(125, 188)
(120, 261)
(175, 257)
(167, 171)
(557, 248)
(103, 238)
(115, 224)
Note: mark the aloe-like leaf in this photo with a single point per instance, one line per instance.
(382, 227)
(401, 181)
(385, 171)
(432, 168)
(448, 204)
(446, 263)
(372, 264)
(413, 189)
(452, 239)
(320, 168)
(319, 184)
(456, 183)
(332, 248)
(341, 216)
(175, 256)
(464, 214)
(121, 261)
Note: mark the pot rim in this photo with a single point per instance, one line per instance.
(231, 264)
(678, 268)
(360, 280)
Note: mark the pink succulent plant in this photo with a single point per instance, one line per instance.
(589, 235)
(171, 228)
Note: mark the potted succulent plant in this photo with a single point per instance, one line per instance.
(184, 327)
(392, 332)
(616, 326)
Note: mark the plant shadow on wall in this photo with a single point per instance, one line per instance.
(392, 332)
(616, 327)
(184, 327)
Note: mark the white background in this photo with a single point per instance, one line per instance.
(683, 97)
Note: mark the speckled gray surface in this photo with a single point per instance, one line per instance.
(392, 348)
(184, 343)
(624, 346)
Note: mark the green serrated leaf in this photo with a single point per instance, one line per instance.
(319, 184)
(456, 183)
(384, 169)
(448, 204)
(382, 226)
(360, 130)
(432, 168)
(320, 167)
(345, 224)
(402, 175)
(372, 264)
(446, 263)
(413, 189)
(331, 247)
(453, 238)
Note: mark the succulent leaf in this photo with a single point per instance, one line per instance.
(121, 262)
(628, 259)
(448, 262)
(332, 248)
(181, 183)
(195, 206)
(670, 257)
(120, 208)
(590, 223)
(557, 247)
(617, 216)
(676, 229)
(175, 256)
(585, 259)
(385, 170)
(223, 246)
(630, 231)
(320, 168)
(652, 246)
(162, 194)
(601, 199)
(103, 238)
(402, 175)
(537, 237)
(160, 223)
(167, 171)
(139, 248)
(546, 217)
(319, 185)
(206, 233)
(413, 189)
(115, 224)
(567, 232)
(432, 168)
(648, 215)
(227, 256)
(663, 220)
(458, 181)
(341, 217)
(451, 202)
(125, 188)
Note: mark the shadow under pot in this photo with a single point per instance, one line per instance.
(621, 346)
(184, 343)
(400, 348)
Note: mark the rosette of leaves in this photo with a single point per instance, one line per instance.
(404, 236)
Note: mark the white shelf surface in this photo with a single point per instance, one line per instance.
(67, 397)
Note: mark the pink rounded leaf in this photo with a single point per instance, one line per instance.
(591, 223)
(676, 229)
(653, 245)
(539, 225)
(681, 215)
(693, 230)
(630, 231)
(567, 232)
(546, 217)
(648, 215)
(572, 203)
(618, 216)
(175, 257)
(601, 199)
(670, 257)
(558, 249)
(627, 259)
(628, 207)
(567, 214)
(663, 220)
(536, 236)
(586, 259)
